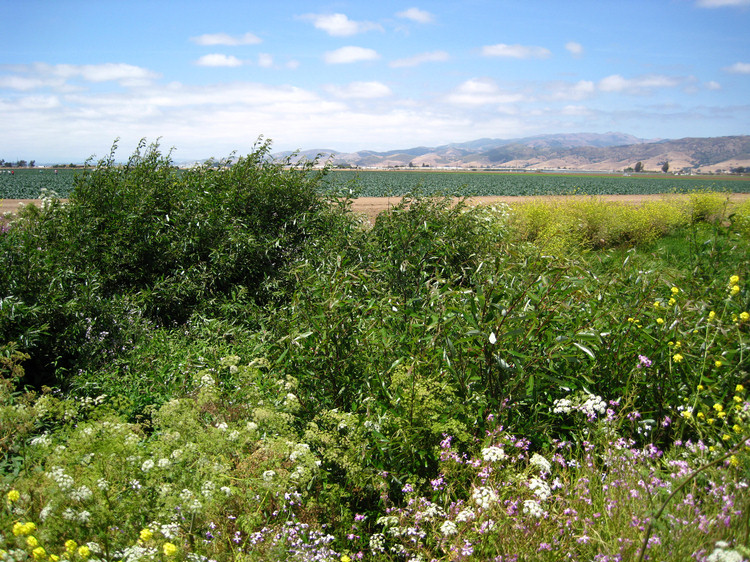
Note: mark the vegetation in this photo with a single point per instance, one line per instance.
(227, 364)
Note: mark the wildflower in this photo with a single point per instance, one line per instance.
(493, 454)
(736, 428)
(54, 558)
(38, 553)
(671, 302)
(493, 338)
(734, 290)
(345, 558)
(701, 416)
(84, 551)
(532, 507)
(734, 279)
(169, 549)
(739, 388)
(31, 541)
(268, 475)
(711, 315)
(734, 461)
(744, 316)
(146, 534)
(70, 546)
(677, 357)
(675, 290)
(660, 321)
(718, 363)
(718, 407)
(13, 496)
(448, 528)
(540, 462)
(687, 414)
(737, 399)
(701, 387)
(644, 361)
(657, 304)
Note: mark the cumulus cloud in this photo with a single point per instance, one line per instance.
(339, 25)
(265, 60)
(481, 91)
(360, 90)
(433, 56)
(722, 3)
(350, 54)
(40, 75)
(213, 39)
(515, 51)
(567, 91)
(739, 68)
(417, 15)
(712, 85)
(217, 59)
(575, 49)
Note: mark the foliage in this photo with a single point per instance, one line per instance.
(237, 369)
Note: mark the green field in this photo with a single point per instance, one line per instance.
(27, 184)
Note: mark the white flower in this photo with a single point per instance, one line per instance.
(484, 497)
(493, 454)
(164, 463)
(540, 462)
(269, 475)
(222, 426)
(251, 426)
(81, 494)
(540, 488)
(147, 465)
(465, 515)
(532, 507)
(493, 338)
(562, 406)
(448, 528)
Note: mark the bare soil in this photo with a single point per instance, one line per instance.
(371, 207)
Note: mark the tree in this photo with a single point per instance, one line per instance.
(639, 166)
(665, 166)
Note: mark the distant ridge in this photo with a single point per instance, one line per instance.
(612, 151)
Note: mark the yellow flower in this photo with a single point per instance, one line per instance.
(13, 496)
(737, 399)
(726, 437)
(345, 558)
(721, 415)
(675, 290)
(146, 534)
(744, 316)
(656, 304)
(31, 542)
(631, 319)
(718, 363)
(23, 529)
(710, 421)
(701, 415)
(169, 549)
(38, 553)
(733, 461)
(734, 290)
(660, 320)
(718, 407)
(687, 414)
(677, 358)
(734, 279)
(711, 315)
(70, 546)
(736, 428)
(84, 551)
(671, 302)
(54, 558)
(700, 387)
(739, 388)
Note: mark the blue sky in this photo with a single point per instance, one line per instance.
(209, 78)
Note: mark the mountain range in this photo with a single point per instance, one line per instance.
(608, 152)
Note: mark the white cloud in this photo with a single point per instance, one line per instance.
(217, 59)
(417, 15)
(41, 75)
(350, 54)
(265, 60)
(360, 90)
(481, 91)
(575, 49)
(515, 51)
(722, 3)
(640, 85)
(739, 68)
(212, 39)
(433, 56)
(339, 25)
(566, 91)
(712, 85)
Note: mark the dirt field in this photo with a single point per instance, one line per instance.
(372, 206)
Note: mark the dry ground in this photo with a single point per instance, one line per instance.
(370, 207)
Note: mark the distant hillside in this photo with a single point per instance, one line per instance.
(581, 151)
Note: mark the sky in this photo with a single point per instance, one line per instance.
(211, 78)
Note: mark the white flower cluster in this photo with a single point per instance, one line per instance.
(586, 403)
(484, 497)
(532, 508)
(448, 528)
(64, 481)
(540, 488)
(431, 513)
(593, 405)
(81, 494)
(465, 515)
(722, 553)
(540, 462)
(494, 454)
(377, 542)
(300, 450)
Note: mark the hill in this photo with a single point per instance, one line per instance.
(581, 151)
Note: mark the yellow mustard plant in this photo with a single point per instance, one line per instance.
(660, 321)
(734, 279)
(146, 534)
(672, 302)
(718, 363)
(677, 358)
(84, 551)
(70, 546)
(169, 549)
(711, 315)
(718, 407)
(31, 541)
(38, 553)
(734, 290)
(675, 290)
(13, 496)
(739, 388)
(744, 316)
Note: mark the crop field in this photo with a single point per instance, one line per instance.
(27, 184)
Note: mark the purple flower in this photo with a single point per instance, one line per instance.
(643, 361)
